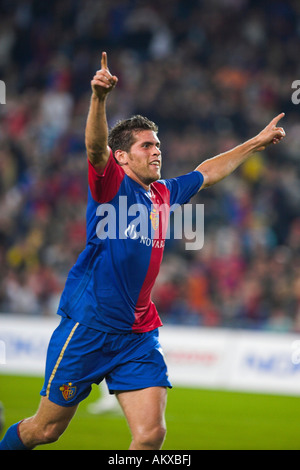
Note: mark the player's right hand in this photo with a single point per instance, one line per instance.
(103, 81)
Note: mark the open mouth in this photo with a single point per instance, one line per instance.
(155, 163)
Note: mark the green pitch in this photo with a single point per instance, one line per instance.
(196, 419)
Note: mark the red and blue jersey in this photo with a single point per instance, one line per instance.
(109, 287)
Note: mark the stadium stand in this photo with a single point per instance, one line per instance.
(211, 74)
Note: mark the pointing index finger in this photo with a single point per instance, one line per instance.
(104, 60)
(277, 118)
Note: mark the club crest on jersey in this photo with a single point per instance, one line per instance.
(68, 391)
(154, 217)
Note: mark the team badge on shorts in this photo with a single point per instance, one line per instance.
(68, 391)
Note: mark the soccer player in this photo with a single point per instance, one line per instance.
(109, 325)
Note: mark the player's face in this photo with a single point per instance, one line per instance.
(144, 158)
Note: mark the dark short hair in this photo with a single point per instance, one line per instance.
(122, 135)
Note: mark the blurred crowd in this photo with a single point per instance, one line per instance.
(211, 74)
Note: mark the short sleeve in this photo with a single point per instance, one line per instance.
(184, 187)
(105, 185)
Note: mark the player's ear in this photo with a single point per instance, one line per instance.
(122, 157)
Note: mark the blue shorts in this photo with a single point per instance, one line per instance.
(79, 356)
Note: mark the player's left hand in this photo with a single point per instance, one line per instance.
(271, 134)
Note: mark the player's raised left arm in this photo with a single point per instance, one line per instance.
(217, 168)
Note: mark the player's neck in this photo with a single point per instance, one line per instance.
(138, 180)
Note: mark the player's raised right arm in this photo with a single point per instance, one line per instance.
(96, 132)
